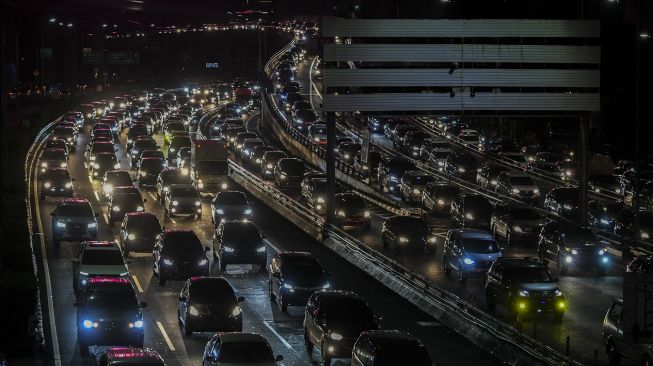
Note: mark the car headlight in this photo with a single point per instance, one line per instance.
(200, 185)
(515, 190)
(441, 163)
(172, 149)
(461, 170)
(602, 252)
(203, 262)
(568, 173)
(468, 261)
(433, 240)
(320, 200)
(469, 216)
(524, 293)
(282, 176)
(88, 324)
(416, 191)
(558, 293)
(116, 208)
(326, 285)
(605, 221)
(139, 208)
(116, 166)
(47, 185)
(167, 262)
(366, 214)
(567, 207)
(617, 190)
(131, 236)
(184, 171)
(644, 235)
(236, 312)
(68, 185)
(175, 203)
(403, 239)
(198, 203)
(346, 156)
(61, 224)
(92, 157)
(574, 252)
(91, 225)
(44, 165)
(341, 213)
(69, 139)
(441, 202)
(536, 191)
(517, 229)
(335, 336)
(64, 165)
(228, 249)
(248, 211)
(261, 249)
(269, 166)
(96, 166)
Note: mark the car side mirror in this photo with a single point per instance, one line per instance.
(143, 304)
(240, 299)
(278, 358)
(182, 298)
(206, 249)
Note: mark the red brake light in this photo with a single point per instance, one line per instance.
(108, 280)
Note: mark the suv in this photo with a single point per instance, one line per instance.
(149, 170)
(412, 185)
(124, 200)
(236, 242)
(401, 232)
(73, 220)
(53, 158)
(230, 205)
(176, 143)
(108, 314)
(571, 246)
(289, 172)
(470, 252)
(389, 347)
(182, 199)
(461, 165)
(138, 232)
(97, 258)
(113, 179)
(178, 254)
(523, 286)
(350, 210)
(517, 185)
(487, 176)
(437, 197)
(333, 320)
(56, 182)
(513, 223)
(168, 177)
(209, 304)
(471, 210)
(269, 161)
(294, 276)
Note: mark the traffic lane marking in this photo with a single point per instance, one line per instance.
(274, 247)
(165, 336)
(276, 334)
(137, 283)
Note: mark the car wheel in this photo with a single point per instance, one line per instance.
(489, 301)
(283, 305)
(326, 360)
(614, 356)
(307, 342)
(445, 265)
(271, 291)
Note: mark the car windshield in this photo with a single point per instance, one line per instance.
(421, 179)
(411, 224)
(183, 192)
(294, 167)
(182, 245)
(114, 300)
(549, 158)
(102, 148)
(306, 114)
(578, 235)
(406, 354)
(231, 199)
(58, 175)
(567, 194)
(240, 232)
(120, 180)
(245, 353)
(349, 201)
(603, 179)
(175, 177)
(143, 223)
(440, 154)
(481, 246)
(152, 164)
(347, 312)
(102, 257)
(54, 155)
(446, 191)
(318, 130)
(304, 270)
(76, 211)
(145, 145)
(524, 214)
(400, 166)
(530, 275)
(212, 292)
(521, 181)
(477, 203)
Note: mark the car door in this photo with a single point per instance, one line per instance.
(184, 299)
(156, 252)
(613, 327)
(311, 313)
(123, 230)
(276, 274)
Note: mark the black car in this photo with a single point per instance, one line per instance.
(209, 304)
(138, 232)
(604, 183)
(66, 134)
(168, 177)
(269, 162)
(412, 185)
(304, 118)
(569, 246)
(389, 347)
(149, 171)
(294, 276)
(524, 286)
(56, 144)
(405, 232)
(248, 145)
(471, 211)
(113, 179)
(333, 320)
(641, 264)
(178, 255)
(603, 214)
(177, 143)
(625, 225)
(145, 143)
(53, 158)
(347, 150)
(56, 182)
(124, 200)
(351, 210)
(487, 175)
(129, 356)
(461, 165)
(73, 220)
(412, 142)
(182, 200)
(369, 169)
(137, 131)
(399, 132)
(254, 159)
(437, 197)
(563, 201)
(109, 314)
(237, 143)
(289, 172)
(513, 223)
(230, 205)
(390, 172)
(237, 242)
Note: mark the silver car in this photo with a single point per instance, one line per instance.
(182, 200)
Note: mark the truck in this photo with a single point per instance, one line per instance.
(209, 165)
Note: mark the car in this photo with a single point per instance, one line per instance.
(389, 347)
(138, 232)
(173, 128)
(317, 133)
(641, 264)
(52, 158)
(229, 132)
(73, 220)
(517, 185)
(390, 125)
(56, 182)
(140, 145)
(209, 304)
(300, 104)
(487, 175)
(168, 177)
(620, 343)
(406, 232)
(370, 168)
(182, 154)
(437, 159)
(411, 143)
(235, 348)
(626, 228)
(269, 162)
(470, 252)
(351, 210)
(177, 142)
(255, 155)
(238, 242)
(390, 172)
(136, 131)
(102, 135)
(288, 172)
(399, 132)
(603, 214)
(515, 223)
(285, 90)
(150, 154)
(56, 144)
(237, 143)
(149, 170)
(563, 201)
(314, 192)
(129, 356)
(303, 118)
(178, 255)
(115, 178)
(333, 320)
(437, 196)
(412, 185)
(471, 211)
(461, 165)
(246, 150)
(95, 259)
(98, 147)
(124, 200)
(182, 200)
(525, 287)
(293, 277)
(230, 205)
(66, 134)
(432, 144)
(109, 314)
(572, 247)
(604, 183)
(347, 150)
(291, 98)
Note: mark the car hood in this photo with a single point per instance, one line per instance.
(529, 223)
(103, 269)
(538, 287)
(87, 220)
(125, 316)
(482, 256)
(185, 200)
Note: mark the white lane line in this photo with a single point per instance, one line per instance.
(152, 195)
(276, 334)
(97, 198)
(90, 180)
(137, 283)
(106, 218)
(48, 282)
(165, 336)
(266, 241)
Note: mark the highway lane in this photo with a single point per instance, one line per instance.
(282, 330)
(588, 295)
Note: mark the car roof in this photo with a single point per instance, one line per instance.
(332, 294)
(242, 337)
(472, 233)
(74, 201)
(388, 338)
(100, 245)
(522, 262)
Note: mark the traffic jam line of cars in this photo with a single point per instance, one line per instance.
(110, 319)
